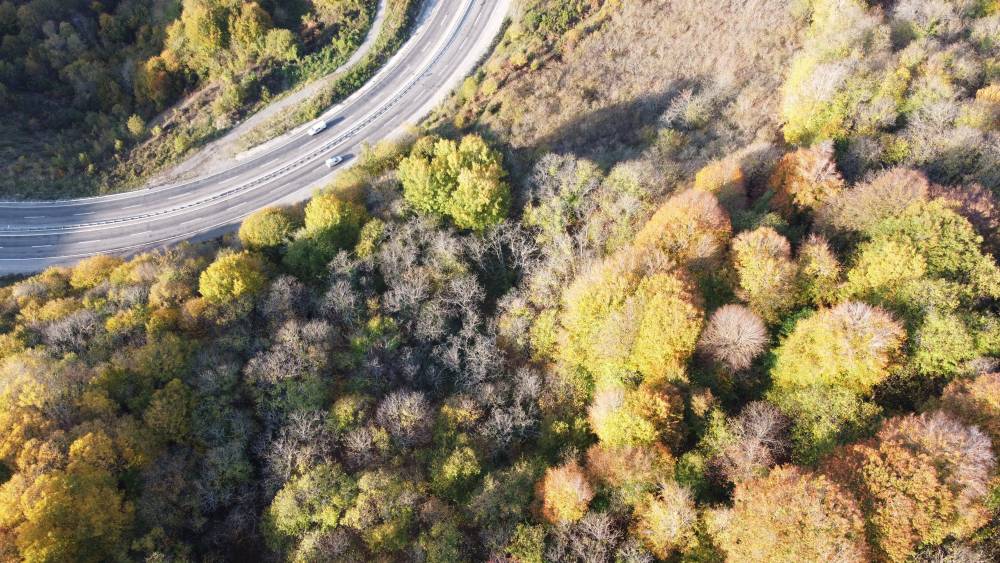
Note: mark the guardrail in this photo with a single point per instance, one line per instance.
(295, 164)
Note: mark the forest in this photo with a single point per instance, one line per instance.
(616, 300)
(97, 96)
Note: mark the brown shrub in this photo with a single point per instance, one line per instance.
(871, 202)
(805, 179)
(976, 402)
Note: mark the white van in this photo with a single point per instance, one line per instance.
(317, 127)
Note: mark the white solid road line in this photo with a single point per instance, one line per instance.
(241, 193)
(279, 170)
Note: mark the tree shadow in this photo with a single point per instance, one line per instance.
(606, 136)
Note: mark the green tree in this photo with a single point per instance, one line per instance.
(200, 32)
(169, 412)
(384, 511)
(942, 344)
(826, 369)
(884, 271)
(527, 544)
(135, 125)
(443, 542)
(313, 501)
(464, 181)
(946, 240)
(454, 472)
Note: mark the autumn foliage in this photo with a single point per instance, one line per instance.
(564, 493)
(792, 515)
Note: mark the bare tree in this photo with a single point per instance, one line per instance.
(286, 299)
(592, 539)
(734, 336)
(71, 333)
(759, 441)
(407, 416)
(302, 442)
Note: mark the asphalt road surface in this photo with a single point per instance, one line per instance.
(451, 36)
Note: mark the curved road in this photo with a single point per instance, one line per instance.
(445, 46)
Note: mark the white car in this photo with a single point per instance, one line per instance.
(333, 161)
(317, 127)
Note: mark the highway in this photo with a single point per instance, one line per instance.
(448, 40)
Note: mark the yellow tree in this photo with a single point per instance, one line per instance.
(200, 33)
(233, 276)
(630, 472)
(564, 493)
(247, 31)
(638, 417)
(691, 228)
(462, 180)
(883, 272)
(267, 229)
(92, 271)
(71, 514)
(630, 314)
(765, 272)
(665, 522)
(852, 346)
(725, 180)
(330, 217)
(818, 272)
